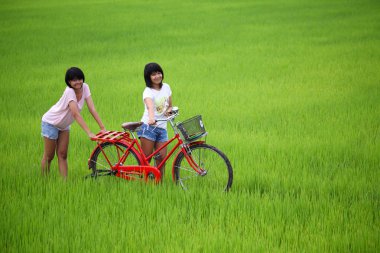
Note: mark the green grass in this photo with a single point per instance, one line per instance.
(289, 90)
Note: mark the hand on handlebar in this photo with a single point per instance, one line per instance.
(151, 122)
(168, 112)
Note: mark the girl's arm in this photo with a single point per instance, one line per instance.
(75, 112)
(170, 107)
(91, 108)
(149, 104)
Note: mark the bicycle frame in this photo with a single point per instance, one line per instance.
(179, 143)
(133, 144)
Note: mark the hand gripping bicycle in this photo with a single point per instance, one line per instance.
(195, 165)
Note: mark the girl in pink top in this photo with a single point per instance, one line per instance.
(56, 122)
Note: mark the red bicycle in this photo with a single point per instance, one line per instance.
(196, 163)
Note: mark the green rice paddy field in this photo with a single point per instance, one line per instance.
(289, 90)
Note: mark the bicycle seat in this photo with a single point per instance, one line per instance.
(131, 126)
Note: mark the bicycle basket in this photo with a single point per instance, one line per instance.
(192, 129)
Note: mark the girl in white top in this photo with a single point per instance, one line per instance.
(56, 122)
(157, 99)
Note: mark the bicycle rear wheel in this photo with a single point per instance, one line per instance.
(113, 151)
(217, 168)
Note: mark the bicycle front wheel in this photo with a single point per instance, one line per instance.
(217, 170)
(108, 155)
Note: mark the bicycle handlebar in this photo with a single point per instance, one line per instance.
(132, 126)
(174, 113)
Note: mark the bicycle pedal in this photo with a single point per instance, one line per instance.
(89, 176)
(203, 173)
(151, 176)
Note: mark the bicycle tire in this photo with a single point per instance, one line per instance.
(219, 173)
(101, 167)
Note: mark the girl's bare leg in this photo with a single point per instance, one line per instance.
(62, 147)
(49, 150)
(162, 155)
(147, 146)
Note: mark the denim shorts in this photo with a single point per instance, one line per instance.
(49, 131)
(153, 133)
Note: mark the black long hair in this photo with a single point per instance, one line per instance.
(72, 74)
(148, 70)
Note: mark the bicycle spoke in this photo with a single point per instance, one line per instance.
(188, 177)
(98, 164)
(190, 170)
(107, 173)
